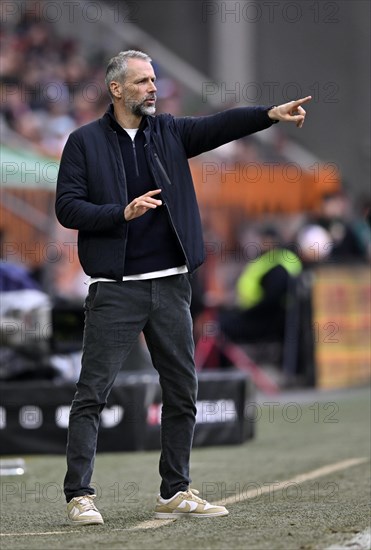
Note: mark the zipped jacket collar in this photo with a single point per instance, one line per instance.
(108, 116)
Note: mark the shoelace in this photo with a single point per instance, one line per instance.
(193, 493)
(87, 502)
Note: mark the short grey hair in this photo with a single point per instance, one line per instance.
(117, 66)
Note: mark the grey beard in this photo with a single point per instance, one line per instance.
(139, 109)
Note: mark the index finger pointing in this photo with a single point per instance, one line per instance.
(302, 100)
(152, 193)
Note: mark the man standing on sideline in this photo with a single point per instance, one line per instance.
(125, 184)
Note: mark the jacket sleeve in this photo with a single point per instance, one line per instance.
(73, 208)
(200, 134)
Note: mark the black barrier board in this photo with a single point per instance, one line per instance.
(34, 414)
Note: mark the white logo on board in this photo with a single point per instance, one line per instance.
(30, 417)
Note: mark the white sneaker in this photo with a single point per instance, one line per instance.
(82, 510)
(187, 503)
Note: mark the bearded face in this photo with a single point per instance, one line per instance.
(138, 89)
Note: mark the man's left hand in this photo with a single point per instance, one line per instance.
(290, 112)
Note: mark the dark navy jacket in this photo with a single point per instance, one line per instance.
(91, 188)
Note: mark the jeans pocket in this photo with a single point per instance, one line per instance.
(186, 280)
(92, 295)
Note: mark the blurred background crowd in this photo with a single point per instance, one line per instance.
(49, 85)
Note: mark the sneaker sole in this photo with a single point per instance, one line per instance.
(172, 515)
(86, 521)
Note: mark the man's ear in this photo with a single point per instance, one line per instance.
(116, 89)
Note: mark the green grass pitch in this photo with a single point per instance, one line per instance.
(295, 434)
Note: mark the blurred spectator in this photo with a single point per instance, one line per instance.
(14, 276)
(262, 293)
(314, 244)
(336, 218)
(361, 225)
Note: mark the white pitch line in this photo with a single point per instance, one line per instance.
(301, 478)
(41, 534)
(148, 524)
(152, 524)
(155, 524)
(362, 541)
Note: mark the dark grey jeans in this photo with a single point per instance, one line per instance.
(115, 314)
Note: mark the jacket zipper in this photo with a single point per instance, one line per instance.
(135, 160)
(163, 171)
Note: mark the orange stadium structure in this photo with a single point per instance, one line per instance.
(258, 189)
